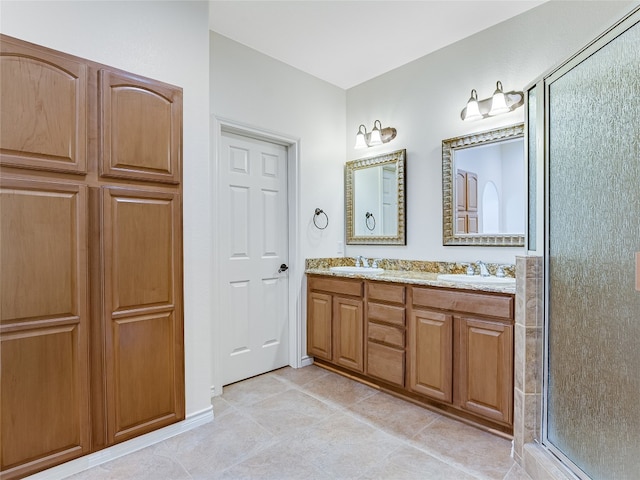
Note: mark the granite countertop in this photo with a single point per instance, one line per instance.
(414, 278)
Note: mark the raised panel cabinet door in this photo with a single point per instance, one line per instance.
(43, 97)
(431, 354)
(485, 379)
(140, 128)
(44, 377)
(142, 239)
(348, 333)
(319, 325)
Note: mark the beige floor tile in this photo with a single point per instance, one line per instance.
(144, 464)
(313, 424)
(408, 463)
(217, 445)
(468, 448)
(343, 447)
(338, 389)
(253, 390)
(220, 406)
(289, 412)
(281, 461)
(517, 473)
(393, 415)
(301, 376)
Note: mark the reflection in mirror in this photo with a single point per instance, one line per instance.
(375, 200)
(483, 188)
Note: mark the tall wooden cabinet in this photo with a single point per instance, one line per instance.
(91, 318)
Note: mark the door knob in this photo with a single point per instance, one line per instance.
(283, 268)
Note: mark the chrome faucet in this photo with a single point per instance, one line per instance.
(360, 260)
(483, 268)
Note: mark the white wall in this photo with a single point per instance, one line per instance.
(255, 90)
(167, 41)
(423, 99)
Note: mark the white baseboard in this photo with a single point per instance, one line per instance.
(94, 459)
(306, 361)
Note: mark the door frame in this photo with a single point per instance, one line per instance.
(222, 125)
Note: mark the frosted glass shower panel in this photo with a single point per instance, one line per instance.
(593, 399)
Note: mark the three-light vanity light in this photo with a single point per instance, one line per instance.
(500, 102)
(377, 136)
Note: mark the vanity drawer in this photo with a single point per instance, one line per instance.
(386, 334)
(386, 363)
(335, 285)
(500, 306)
(385, 313)
(385, 292)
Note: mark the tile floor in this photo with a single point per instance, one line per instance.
(313, 424)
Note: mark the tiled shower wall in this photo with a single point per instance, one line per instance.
(528, 373)
(528, 353)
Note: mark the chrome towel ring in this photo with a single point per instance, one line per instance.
(368, 223)
(319, 212)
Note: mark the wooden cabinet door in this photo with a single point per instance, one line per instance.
(44, 108)
(485, 368)
(44, 379)
(140, 128)
(348, 333)
(431, 354)
(319, 325)
(142, 310)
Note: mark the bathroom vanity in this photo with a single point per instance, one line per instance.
(442, 345)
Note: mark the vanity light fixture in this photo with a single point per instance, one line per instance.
(497, 104)
(377, 136)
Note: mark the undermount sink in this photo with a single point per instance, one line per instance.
(358, 270)
(478, 279)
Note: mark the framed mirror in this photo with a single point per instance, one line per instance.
(483, 188)
(375, 200)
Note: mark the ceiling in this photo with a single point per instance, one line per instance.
(349, 42)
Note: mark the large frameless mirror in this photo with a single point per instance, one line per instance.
(375, 200)
(483, 188)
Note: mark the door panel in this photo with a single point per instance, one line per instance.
(37, 86)
(142, 310)
(253, 243)
(144, 375)
(140, 128)
(431, 348)
(319, 325)
(486, 369)
(348, 333)
(44, 337)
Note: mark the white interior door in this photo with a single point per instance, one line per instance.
(253, 235)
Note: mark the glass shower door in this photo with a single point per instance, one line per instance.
(592, 404)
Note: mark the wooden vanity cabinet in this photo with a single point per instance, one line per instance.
(447, 348)
(385, 327)
(335, 321)
(462, 350)
(91, 316)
